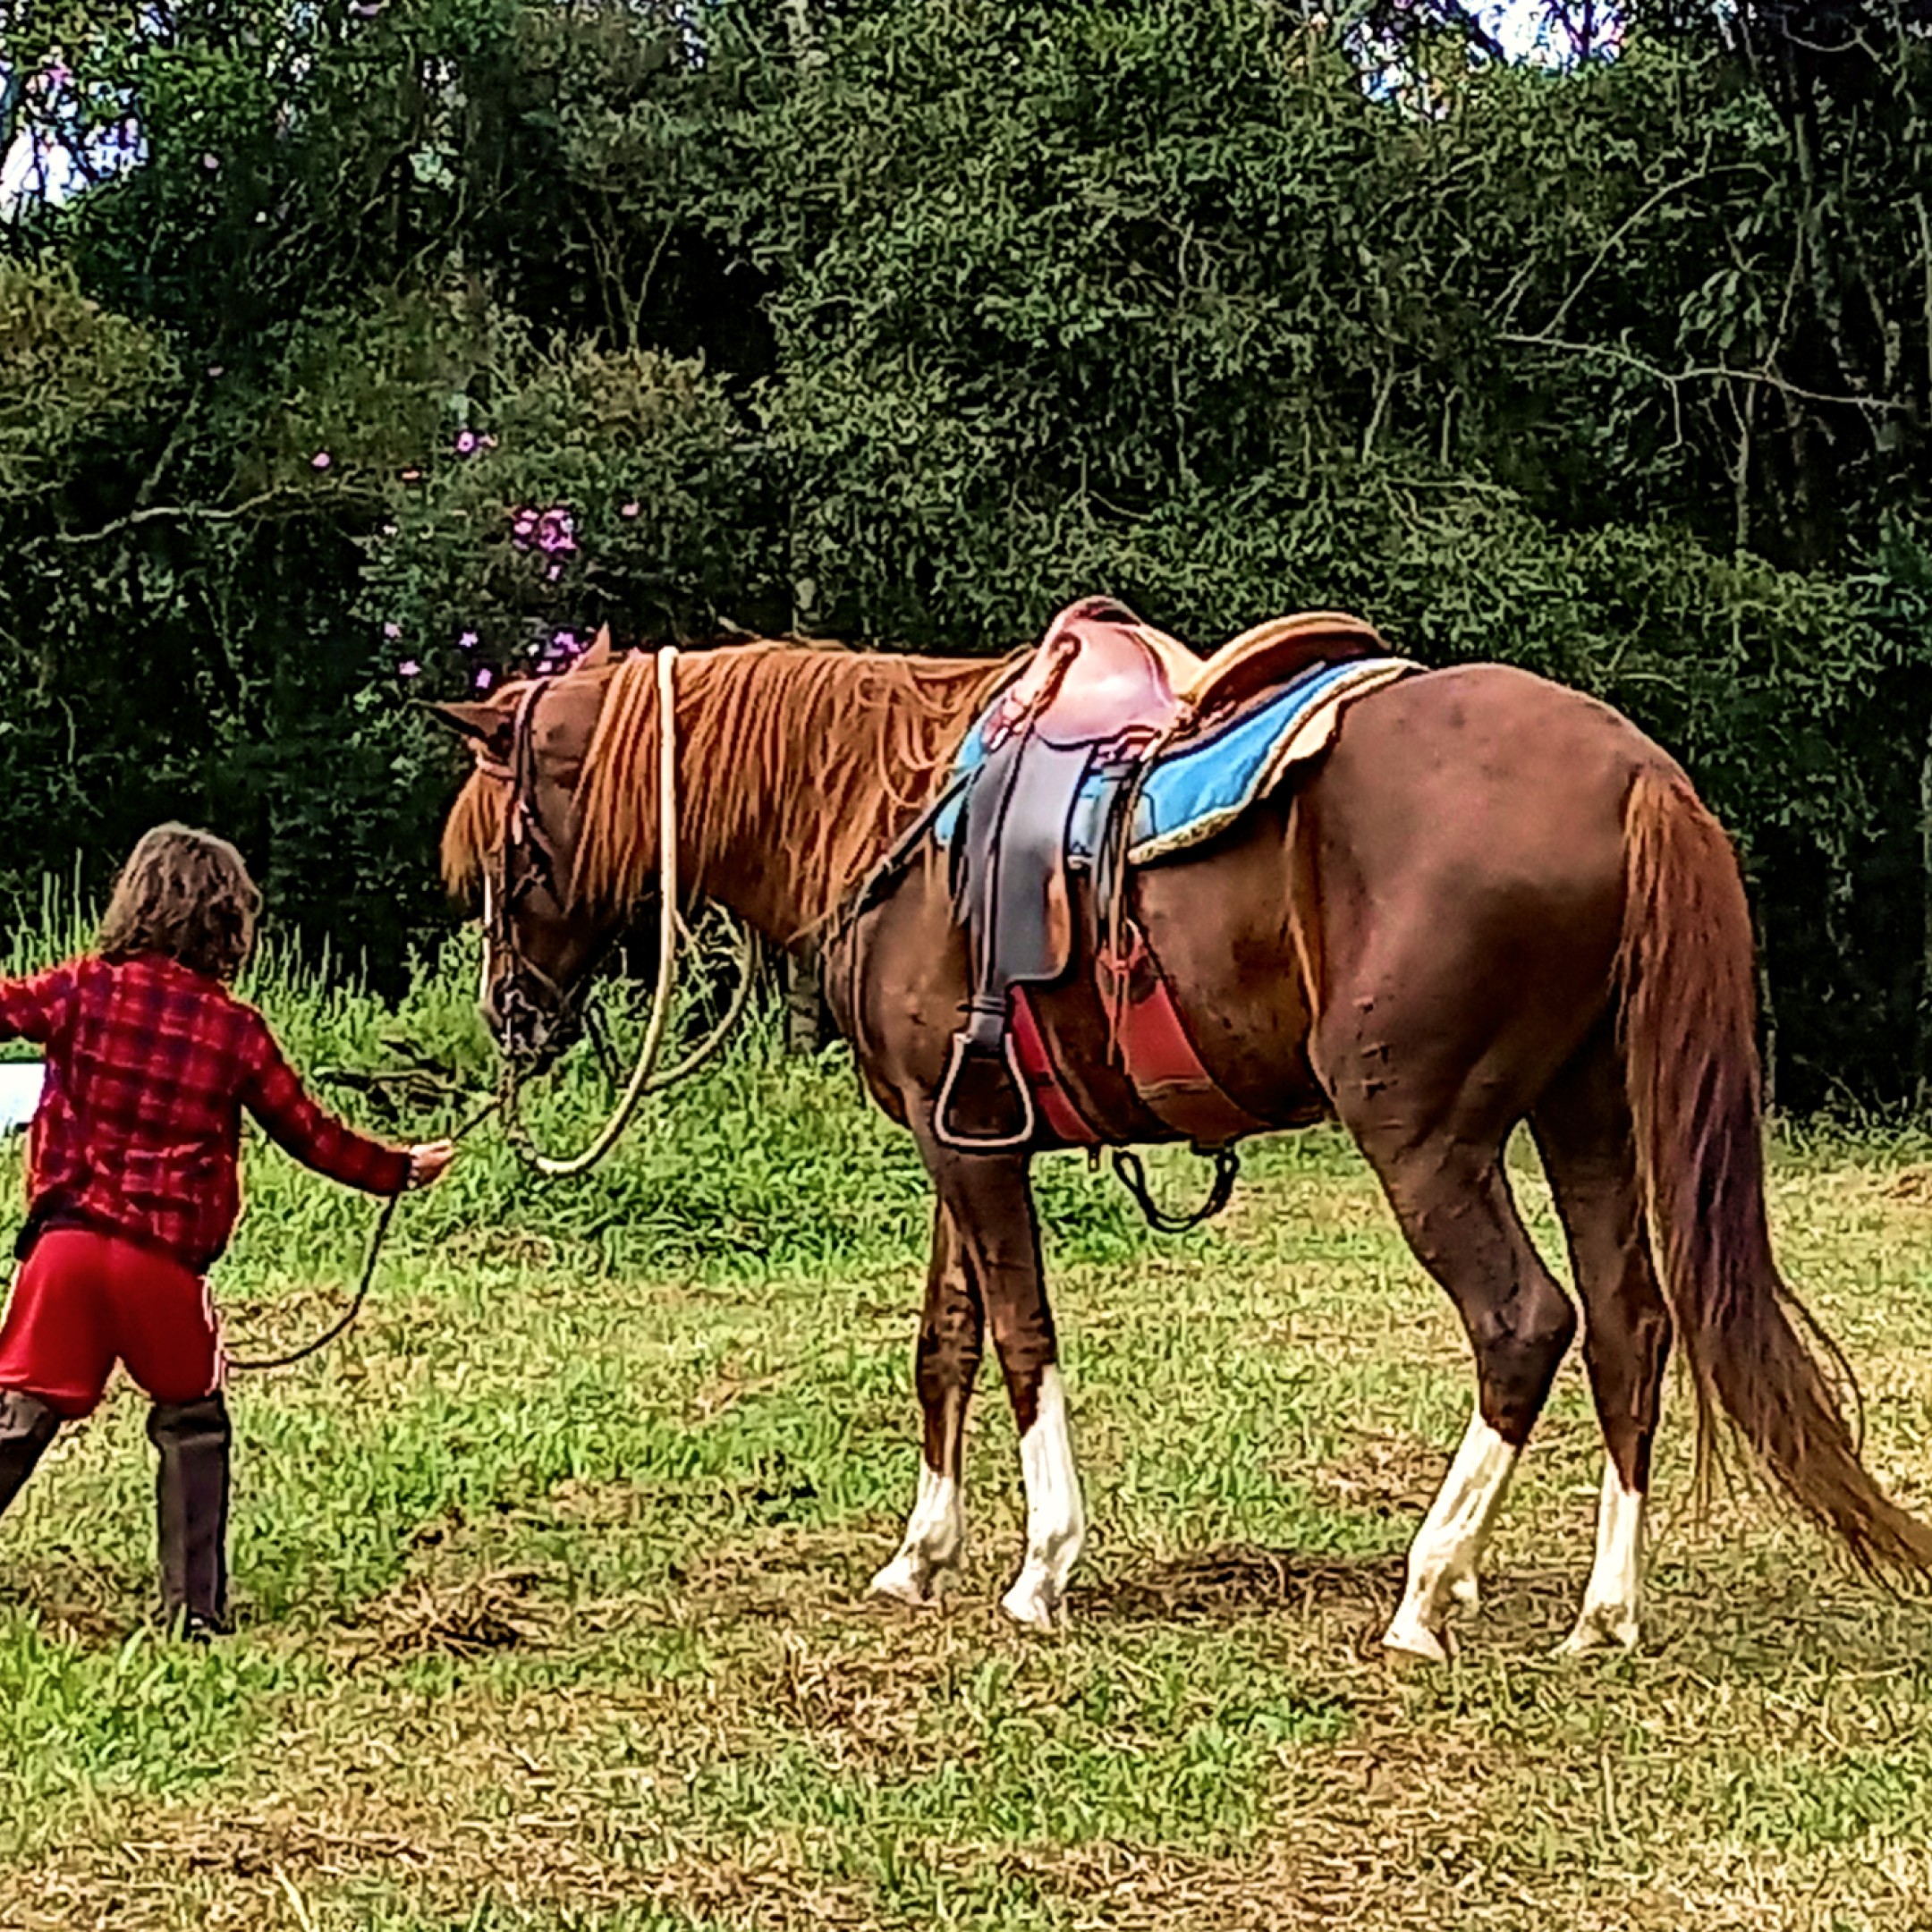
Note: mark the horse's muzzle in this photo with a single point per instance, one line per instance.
(528, 1035)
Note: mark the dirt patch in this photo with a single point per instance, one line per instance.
(271, 1868)
(1386, 1473)
(465, 1619)
(1243, 1580)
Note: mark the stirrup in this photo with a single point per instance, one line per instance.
(971, 1049)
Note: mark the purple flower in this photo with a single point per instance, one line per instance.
(210, 162)
(631, 510)
(467, 641)
(321, 460)
(466, 443)
(556, 532)
(553, 572)
(215, 371)
(392, 632)
(409, 667)
(484, 677)
(57, 74)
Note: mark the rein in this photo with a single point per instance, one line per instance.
(525, 824)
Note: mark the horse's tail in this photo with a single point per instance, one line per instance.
(1685, 976)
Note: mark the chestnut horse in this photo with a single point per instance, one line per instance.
(1491, 900)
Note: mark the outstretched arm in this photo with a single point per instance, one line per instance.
(36, 1008)
(275, 1096)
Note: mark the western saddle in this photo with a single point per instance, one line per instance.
(1102, 689)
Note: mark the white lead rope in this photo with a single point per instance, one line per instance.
(645, 1079)
(667, 936)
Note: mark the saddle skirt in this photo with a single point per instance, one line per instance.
(1115, 746)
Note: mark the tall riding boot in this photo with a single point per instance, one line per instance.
(191, 1492)
(27, 1425)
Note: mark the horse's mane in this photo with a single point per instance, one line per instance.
(814, 751)
(473, 829)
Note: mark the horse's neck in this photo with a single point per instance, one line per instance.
(781, 826)
(753, 874)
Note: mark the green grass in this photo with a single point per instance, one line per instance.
(551, 1574)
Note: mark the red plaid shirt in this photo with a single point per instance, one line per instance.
(149, 1067)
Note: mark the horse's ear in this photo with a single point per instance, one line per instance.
(488, 726)
(601, 650)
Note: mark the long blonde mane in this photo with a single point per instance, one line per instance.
(472, 831)
(815, 754)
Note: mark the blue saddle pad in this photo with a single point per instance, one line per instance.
(1202, 784)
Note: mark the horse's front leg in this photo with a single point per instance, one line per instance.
(950, 1337)
(990, 1200)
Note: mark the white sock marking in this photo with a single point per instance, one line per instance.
(1448, 1547)
(1056, 1522)
(935, 1537)
(1611, 1599)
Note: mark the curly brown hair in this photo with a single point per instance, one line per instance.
(188, 894)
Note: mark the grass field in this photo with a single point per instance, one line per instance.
(552, 1579)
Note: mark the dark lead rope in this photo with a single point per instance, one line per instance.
(378, 1234)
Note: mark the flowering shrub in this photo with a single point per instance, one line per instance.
(612, 489)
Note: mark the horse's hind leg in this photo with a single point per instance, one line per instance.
(1583, 1130)
(950, 1343)
(1443, 1178)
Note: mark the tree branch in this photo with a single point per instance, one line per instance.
(1925, 258)
(179, 513)
(1713, 372)
(1663, 194)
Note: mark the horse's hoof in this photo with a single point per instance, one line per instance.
(1605, 1629)
(1410, 1641)
(905, 1582)
(1034, 1604)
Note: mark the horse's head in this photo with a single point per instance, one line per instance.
(517, 831)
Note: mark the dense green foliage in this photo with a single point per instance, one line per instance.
(430, 332)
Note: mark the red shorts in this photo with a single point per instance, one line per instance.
(83, 1301)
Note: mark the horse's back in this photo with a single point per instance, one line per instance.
(1490, 779)
(1491, 729)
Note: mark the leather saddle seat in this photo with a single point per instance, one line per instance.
(1262, 659)
(1101, 677)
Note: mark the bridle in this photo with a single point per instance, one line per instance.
(526, 840)
(529, 860)
(524, 836)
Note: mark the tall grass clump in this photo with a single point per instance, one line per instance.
(767, 1163)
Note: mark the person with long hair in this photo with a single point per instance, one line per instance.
(134, 1185)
